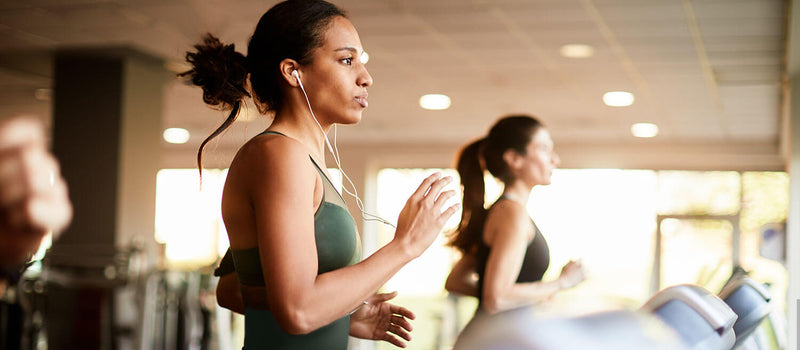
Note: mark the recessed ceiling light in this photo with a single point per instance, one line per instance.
(176, 135)
(618, 98)
(577, 51)
(43, 94)
(434, 102)
(177, 66)
(644, 130)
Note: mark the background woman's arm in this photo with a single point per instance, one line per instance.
(462, 278)
(512, 233)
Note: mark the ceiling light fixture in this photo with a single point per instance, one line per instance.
(43, 94)
(644, 130)
(364, 57)
(435, 102)
(177, 66)
(618, 98)
(176, 135)
(577, 51)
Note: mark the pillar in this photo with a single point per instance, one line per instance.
(106, 134)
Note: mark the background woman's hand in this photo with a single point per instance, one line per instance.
(379, 320)
(571, 274)
(422, 218)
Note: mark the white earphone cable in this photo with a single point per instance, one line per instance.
(335, 154)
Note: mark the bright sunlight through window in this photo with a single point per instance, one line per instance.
(608, 219)
(188, 218)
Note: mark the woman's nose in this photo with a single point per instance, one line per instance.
(364, 79)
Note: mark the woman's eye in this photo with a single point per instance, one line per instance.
(348, 61)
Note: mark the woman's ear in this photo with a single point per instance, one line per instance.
(512, 158)
(287, 67)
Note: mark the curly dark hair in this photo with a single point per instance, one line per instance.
(290, 29)
(219, 70)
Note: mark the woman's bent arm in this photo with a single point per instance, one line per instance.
(281, 182)
(461, 279)
(228, 294)
(512, 231)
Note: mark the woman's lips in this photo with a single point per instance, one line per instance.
(362, 100)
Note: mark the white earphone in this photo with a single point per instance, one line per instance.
(335, 153)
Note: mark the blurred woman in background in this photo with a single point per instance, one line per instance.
(502, 243)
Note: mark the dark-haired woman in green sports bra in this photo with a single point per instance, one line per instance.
(301, 281)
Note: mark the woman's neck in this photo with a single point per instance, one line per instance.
(302, 127)
(517, 192)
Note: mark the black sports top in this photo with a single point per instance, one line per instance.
(534, 265)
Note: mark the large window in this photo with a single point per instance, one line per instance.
(188, 220)
(610, 219)
(188, 217)
(421, 283)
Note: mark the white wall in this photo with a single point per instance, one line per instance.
(792, 147)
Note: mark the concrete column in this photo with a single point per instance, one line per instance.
(106, 134)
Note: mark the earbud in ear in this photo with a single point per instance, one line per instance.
(296, 75)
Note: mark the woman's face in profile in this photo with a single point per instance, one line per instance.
(540, 159)
(336, 81)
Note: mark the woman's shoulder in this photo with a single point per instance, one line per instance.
(272, 148)
(506, 209)
(509, 218)
(272, 154)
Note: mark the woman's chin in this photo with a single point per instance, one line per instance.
(352, 120)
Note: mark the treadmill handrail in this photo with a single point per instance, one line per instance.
(735, 285)
(698, 299)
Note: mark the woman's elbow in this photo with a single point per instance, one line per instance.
(491, 304)
(491, 309)
(231, 303)
(461, 286)
(451, 286)
(228, 294)
(294, 321)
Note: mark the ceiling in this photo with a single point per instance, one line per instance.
(709, 73)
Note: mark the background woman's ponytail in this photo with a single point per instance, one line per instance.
(470, 168)
(222, 73)
(471, 172)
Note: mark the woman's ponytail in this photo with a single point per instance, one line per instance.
(470, 168)
(222, 74)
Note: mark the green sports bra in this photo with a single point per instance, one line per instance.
(335, 232)
(338, 245)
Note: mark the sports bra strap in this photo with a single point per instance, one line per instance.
(330, 194)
